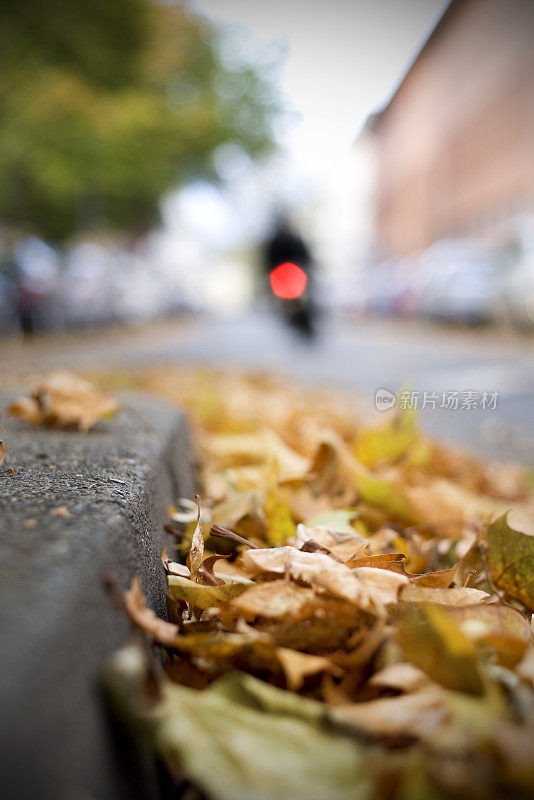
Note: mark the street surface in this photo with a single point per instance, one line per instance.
(360, 354)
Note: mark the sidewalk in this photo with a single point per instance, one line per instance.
(76, 507)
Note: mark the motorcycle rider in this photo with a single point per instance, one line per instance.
(282, 247)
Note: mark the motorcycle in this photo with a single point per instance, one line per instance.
(290, 285)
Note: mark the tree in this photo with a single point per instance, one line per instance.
(106, 105)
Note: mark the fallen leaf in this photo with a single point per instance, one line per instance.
(501, 628)
(145, 619)
(392, 561)
(280, 525)
(202, 596)
(441, 579)
(511, 560)
(276, 599)
(196, 551)
(174, 567)
(65, 400)
(335, 519)
(416, 715)
(366, 587)
(390, 442)
(360, 610)
(260, 746)
(525, 668)
(463, 596)
(403, 677)
(342, 545)
(435, 644)
(297, 666)
(26, 408)
(2, 453)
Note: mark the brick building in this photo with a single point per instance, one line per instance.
(455, 144)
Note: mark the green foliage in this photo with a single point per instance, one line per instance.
(105, 106)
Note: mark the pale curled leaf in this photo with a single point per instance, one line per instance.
(463, 596)
(403, 677)
(336, 519)
(187, 511)
(174, 567)
(366, 587)
(2, 453)
(417, 715)
(341, 544)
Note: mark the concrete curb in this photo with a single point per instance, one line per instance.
(76, 507)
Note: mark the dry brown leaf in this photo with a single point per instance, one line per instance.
(439, 499)
(392, 561)
(366, 587)
(298, 666)
(441, 579)
(276, 599)
(27, 409)
(65, 400)
(145, 619)
(2, 453)
(196, 551)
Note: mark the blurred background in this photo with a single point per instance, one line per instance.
(151, 148)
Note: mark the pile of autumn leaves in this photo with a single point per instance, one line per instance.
(348, 608)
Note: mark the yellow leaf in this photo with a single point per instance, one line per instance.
(201, 596)
(432, 642)
(280, 524)
(397, 438)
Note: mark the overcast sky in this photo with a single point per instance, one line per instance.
(344, 57)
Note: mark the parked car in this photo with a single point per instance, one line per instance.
(384, 288)
(518, 286)
(87, 290)
(8, 305)
(464, 281)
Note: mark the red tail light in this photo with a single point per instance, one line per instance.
(288, 281)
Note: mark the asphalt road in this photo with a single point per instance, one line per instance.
(361, 354)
